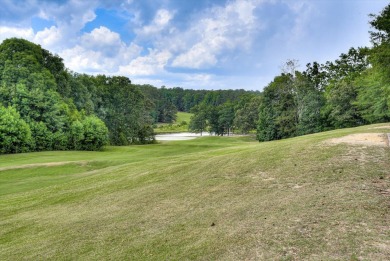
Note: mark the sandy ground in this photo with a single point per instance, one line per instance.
(367, 139)
(180, 136)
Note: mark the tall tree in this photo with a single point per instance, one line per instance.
(198, 123)
(278, 111)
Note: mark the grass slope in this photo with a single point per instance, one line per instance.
(181, 125)
(213, 198)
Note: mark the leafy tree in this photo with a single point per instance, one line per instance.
(373, 100)
(341, 109)
(15, 134)
(198, 123)
(226, 117)
(309, 101)
(247, 114)
(123, 109)
(95, 133)
(213, 119)
(41, 135)
(381, 24)
(76, 135)
(278, 111)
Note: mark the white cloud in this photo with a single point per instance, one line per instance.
(103, 40)
(102, 51)
(160, 22)
(198, 56)
(221, 29)
(49, 37)
(147, 65)
(8, 32)
(80, 59)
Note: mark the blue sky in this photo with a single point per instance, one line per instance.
(198, 44)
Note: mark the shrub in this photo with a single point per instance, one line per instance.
(95, 134)
(15, 134)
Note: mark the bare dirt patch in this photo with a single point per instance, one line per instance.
(48, 164)
(367, 139)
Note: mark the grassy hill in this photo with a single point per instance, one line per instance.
(213, 198)
(181, 124)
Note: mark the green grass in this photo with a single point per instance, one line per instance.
(181, 124)
(212, 198)
(183, 116)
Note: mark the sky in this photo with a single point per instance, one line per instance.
(193, 44)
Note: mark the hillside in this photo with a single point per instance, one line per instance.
(314, 197)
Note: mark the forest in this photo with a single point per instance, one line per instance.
(45, 106)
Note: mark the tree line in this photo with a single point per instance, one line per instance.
(45, 106)
(352, 90)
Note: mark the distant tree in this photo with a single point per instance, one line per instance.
(226, 117)
(247, 114)
(309, 101)
(278, 111)
(123, 109)
(198, 123)
(341, 110)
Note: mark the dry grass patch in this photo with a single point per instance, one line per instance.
(368, 139)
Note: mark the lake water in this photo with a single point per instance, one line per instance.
(180, 136)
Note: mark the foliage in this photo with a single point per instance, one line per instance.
(350, 91)
(15, 134)
(180, 125)
(55, 103)
(128, 122)
(94, 135)
(381, 24)
(247, 114)
(277, 117)
(198, 121)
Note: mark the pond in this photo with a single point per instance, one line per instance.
(180, 136)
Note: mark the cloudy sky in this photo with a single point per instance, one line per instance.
(198, 44)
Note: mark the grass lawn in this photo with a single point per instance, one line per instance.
(212, 198)
(181, 124)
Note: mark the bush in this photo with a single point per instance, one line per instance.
(95, 134)
(15, 134)
(42, 137)
(76, 135)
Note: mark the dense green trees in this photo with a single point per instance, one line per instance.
(198, 122)
(61, 110)
(44, 106)
(353, 90)
(15, 134)
(225, 118)
(277, 118)
(186, 99)
(123, 108)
